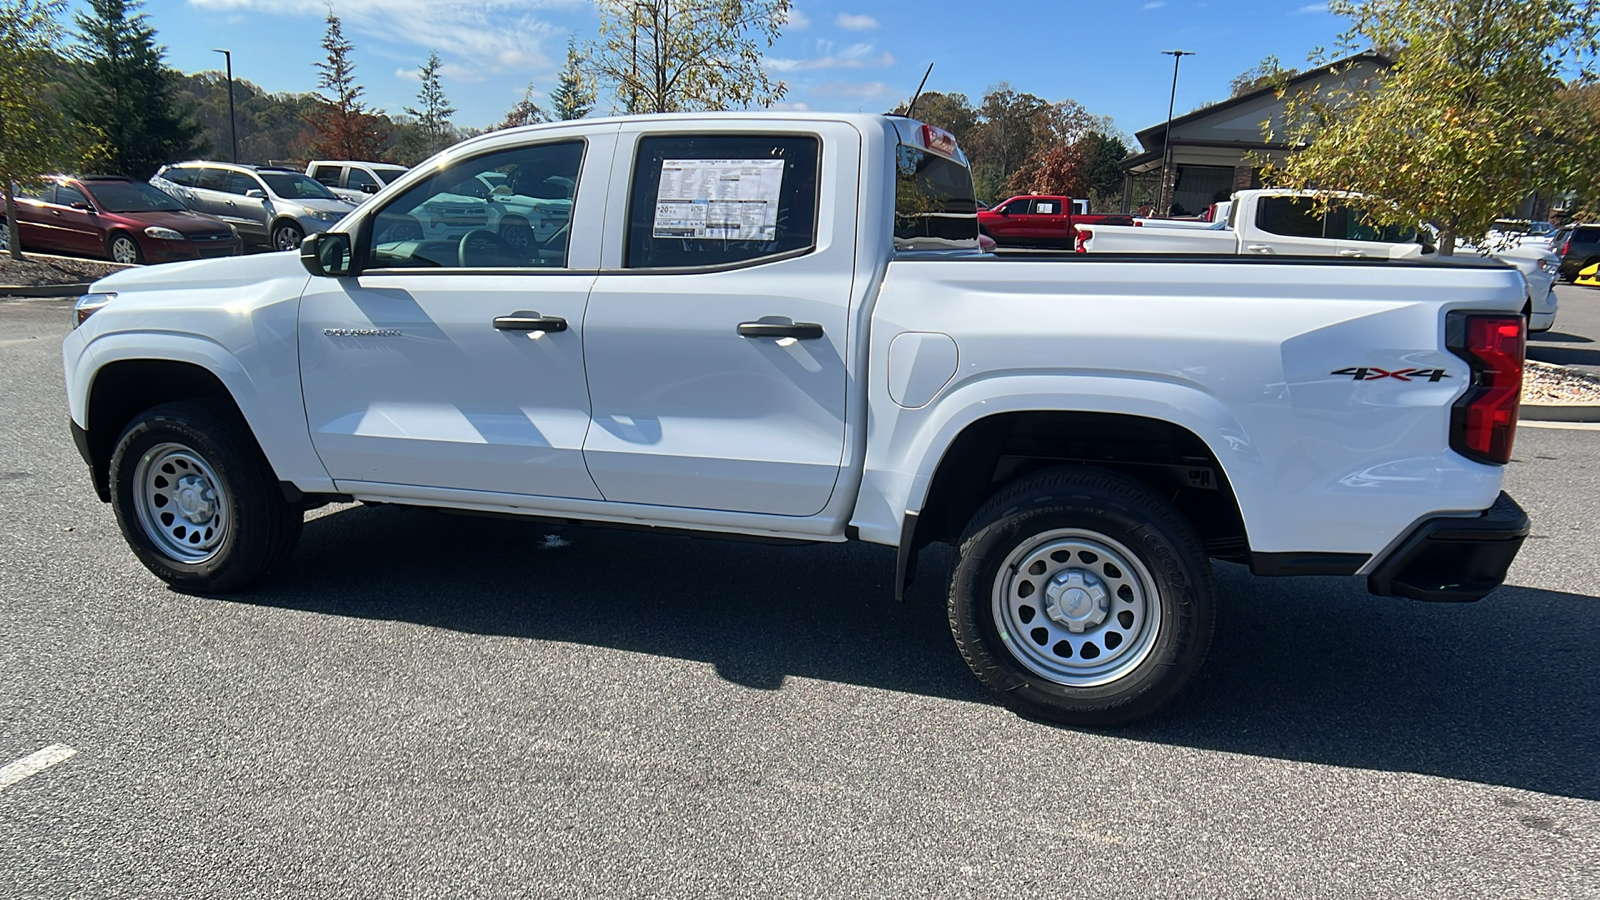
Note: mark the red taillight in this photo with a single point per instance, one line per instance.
(1565, 246)
(1483, 423)
(1082, 242)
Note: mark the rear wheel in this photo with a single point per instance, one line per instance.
(196, 500)
(1082, 597)
(122, 248)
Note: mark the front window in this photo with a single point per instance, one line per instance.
(133, 196)
(358, 179)
(508, 209)
(294, 186)
(935, 208)
(387, 174)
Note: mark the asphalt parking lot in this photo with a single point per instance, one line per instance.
(1574, 341)
(427, 705)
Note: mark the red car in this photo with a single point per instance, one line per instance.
(1041, 220)
(120, 219)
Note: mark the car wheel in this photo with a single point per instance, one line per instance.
(122, 248)
(1083, 597)
(196, 499)
(287, 236)
(517, 234)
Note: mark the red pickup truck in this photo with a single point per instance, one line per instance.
(1041, 220)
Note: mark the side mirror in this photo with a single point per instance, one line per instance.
(79, 204)
(369, 189)
(326, 254)
(1003, 211)
(255, 194)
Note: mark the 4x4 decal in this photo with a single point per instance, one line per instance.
(1373, 373)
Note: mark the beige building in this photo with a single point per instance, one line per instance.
(1212, 147)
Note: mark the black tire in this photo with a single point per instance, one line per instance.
(260, 528)
(111, 247)
(286, 236)
(1177, 599)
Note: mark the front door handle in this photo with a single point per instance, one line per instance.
(1260, 248)
(804, 331)
(1355, 253)
(522, 320)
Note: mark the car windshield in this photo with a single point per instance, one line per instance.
(132, 196)
(387, 174)
(294, 186)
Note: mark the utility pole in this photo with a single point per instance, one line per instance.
(1163, 201)
(233, 127)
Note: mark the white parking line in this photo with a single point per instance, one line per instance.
(33, 764)
(1566, 426)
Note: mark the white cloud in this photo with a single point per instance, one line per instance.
(1312, 8)
(797, 20)
(1157, 4)
(861, 90)
(831, 56)
(783, 106)
(855, 23)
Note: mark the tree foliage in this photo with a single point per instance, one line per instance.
(31, 127)
(1469, 121)
(345, 127)
(685, 55)
(574, 96)
(121, 89)
(1267, 73)
(523, 112)
(431, 131)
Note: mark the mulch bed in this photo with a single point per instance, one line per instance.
(1549, 385)
(35, 270)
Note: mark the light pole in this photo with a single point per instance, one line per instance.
(1163, 204)
(233, 128)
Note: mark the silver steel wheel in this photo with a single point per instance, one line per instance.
(180, 503)
(1076, 607)
(286, 237)
(124, 250)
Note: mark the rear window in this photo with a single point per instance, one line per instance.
(934, 204)
(1586, 235)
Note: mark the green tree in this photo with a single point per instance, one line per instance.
(122, 90)
(1467, 122)
(684, 55)
(574, 95)
(433, 131)
(524, 112)
(952, 112)
(1267, 73)
(345, 127)
(30, 125)
(1102, 155)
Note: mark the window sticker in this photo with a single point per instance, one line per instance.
(719, 199)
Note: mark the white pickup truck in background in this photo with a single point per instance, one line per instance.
(1281, 222)
(778, 327)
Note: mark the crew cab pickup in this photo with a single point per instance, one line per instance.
(1271, 222)
(778, 327)
(1041, 220)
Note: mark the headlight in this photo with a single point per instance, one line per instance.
(88, 305)
(163, 234)
(1545, 265)
(324, 216)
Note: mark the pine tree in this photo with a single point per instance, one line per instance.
(346, 127)
(433, 117)
(574, 95)
(124, 92)
(525, 112)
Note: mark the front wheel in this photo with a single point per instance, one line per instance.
(197, 501)
(124, 249)
(1082, 597)
(287, 236)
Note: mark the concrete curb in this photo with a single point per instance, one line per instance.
(1563, 413)
(44, 290)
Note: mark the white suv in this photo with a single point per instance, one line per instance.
(267, 204)
(354, 181)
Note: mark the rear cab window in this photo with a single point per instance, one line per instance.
(709, 200)
(328, 175)
(934, 204)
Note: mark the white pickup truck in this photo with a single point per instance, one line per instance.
(777, 326)
(1272, 222)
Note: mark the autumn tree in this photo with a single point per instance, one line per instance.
(1267, 73)
(523, 112)
(574, 96)
(346, 127)
(430, 131)
(684, 55)
(1467, 122)
(30, 125)
(124, 93)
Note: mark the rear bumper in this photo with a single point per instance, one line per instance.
(1454, 559)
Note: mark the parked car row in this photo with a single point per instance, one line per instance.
(267, 204)
(1578, 246)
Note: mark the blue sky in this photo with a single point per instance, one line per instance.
(859, 55)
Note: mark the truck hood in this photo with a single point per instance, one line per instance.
(209, 274)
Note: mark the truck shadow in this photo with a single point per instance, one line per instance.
(1505, 691)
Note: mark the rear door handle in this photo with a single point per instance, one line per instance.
(804, 331)
(522, 320)
(1260, 248)
(1355, 253)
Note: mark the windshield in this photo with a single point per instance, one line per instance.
(387, 174)
(934, 206)
(294, 186)
(131, 196)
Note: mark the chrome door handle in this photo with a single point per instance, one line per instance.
(1260, 248)
(522, 320)
(1352, 253)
